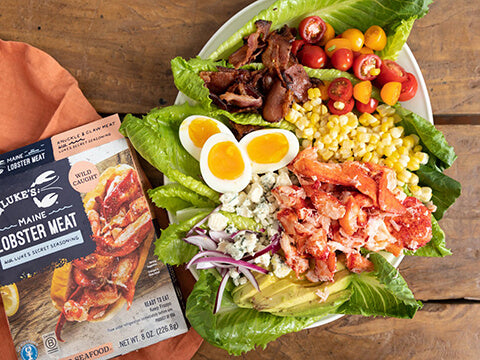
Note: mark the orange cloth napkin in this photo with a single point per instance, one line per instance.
(38, 99)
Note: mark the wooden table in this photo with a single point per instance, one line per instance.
(120, 52)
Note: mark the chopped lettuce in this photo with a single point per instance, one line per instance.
(360, 14)
(382, 292)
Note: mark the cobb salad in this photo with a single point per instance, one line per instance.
(295, 175)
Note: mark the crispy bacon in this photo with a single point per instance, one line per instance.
(253, 43)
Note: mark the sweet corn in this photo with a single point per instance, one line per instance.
(371, 138)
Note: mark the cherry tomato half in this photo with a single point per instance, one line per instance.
(355, 37)
(375, 38)
(362, 91)
(340, 107)
(409, 88)
(312, 29)
(367, 66)
(391, 71)
(369, 107)
(297, 45)
(342, 59)
(312, 56)
(328, 35)
(337, 43)
(340, 89)
(391, 92)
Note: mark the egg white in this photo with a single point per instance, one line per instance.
(222, 185)
(185, 140)
(293, 148)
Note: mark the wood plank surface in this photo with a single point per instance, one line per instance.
(120, 51)
(438, 331)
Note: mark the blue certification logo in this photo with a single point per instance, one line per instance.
(29, 352)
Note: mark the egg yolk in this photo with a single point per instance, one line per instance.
(225, 161)
(200, 129)
(268, 148)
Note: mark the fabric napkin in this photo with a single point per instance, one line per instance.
(38, 99)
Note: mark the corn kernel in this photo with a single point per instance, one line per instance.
(306, 143)
(421, 157)
(385, 110)
(413, 165)
(319, 145)
(366, 119)
(426, 194)
(396, 132)
(308, 106)
(388, 162)
(404, 176)
(327, 139)
(326, 154)
(415, 189)
(367, 157)
(414, 179)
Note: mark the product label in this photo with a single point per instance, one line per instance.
(42, 220)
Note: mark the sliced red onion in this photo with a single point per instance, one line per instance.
(201, 222)
(202, 241)
(218, 236)
(200, 231)
(221, 289)
(274, 246)
(203, 253)
(250, 278)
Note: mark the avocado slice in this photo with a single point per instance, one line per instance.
(316, 307)
(293, 297)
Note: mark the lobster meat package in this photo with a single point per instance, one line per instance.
(76, 249)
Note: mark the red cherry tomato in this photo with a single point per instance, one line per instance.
(367, 66)
(340, 107)
(297, 45)
(312, 29)
(409, 88)
(368, 107)
(340, 89)
(391, 71)
(342, 59)
(312, 56)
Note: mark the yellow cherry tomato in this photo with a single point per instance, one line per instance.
(375, 38)
(328, 35)
(355, 37)
(323, 90)
(365, 50)
(335, 44)
(363, 91)
(391, 92)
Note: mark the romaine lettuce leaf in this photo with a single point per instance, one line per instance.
(360, 14)
(382, 292)
(445, 190)
(241, 222)
(435, 247)
(432, 139)
(396, 41)
(158, 143)
(174, 197)
(235, 329)
(170, 247)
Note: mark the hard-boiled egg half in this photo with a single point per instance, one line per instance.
(224, 164)
(196, 129)
(270, 149)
